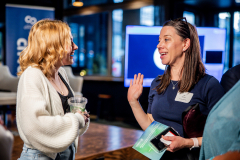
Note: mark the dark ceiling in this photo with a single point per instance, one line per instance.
(194, 3)
(220, 4)
(58, 4)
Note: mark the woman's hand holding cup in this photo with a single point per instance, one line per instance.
(84, 114)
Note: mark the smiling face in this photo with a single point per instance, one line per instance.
(68, 58)
(171, 47)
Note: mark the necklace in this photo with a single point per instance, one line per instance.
(174, 85)
(57, 86)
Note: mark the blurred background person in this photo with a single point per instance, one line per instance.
(6, 142)
(230, 78)
(179, 49)
(44, 123)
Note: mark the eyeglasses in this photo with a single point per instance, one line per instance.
(181, 19)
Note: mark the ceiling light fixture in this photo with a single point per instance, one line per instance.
(78, 3)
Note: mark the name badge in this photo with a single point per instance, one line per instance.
(184, 97)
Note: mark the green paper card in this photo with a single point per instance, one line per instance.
(145, 147)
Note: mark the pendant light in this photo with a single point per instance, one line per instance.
(78, 3)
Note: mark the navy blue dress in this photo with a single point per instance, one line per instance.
(166, 110)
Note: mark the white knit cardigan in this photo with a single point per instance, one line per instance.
(41, 122)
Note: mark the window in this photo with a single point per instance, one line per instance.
(224, 22)
(120, 19)
(117, 43)
(147, 16)
(1, 43)
(1, 47)
(90, 35)
(189, 16)
(236, 40)
(117, 1)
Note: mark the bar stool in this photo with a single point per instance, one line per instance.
(105, 108)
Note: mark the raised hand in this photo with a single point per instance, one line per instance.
(135, 88)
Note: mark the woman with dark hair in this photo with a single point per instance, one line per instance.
(184, 83)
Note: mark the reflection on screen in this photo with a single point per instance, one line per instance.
(141, 54)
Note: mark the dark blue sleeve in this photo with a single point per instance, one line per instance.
(213, 93)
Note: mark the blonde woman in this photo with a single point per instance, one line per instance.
(44, 123)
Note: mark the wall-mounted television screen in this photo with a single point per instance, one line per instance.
(142, 56)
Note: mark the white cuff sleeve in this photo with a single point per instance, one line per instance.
(195, 143)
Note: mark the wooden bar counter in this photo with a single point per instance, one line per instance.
(101, 141)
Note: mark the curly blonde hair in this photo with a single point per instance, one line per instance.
(47, 43)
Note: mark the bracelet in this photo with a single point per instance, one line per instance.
(195, 143)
